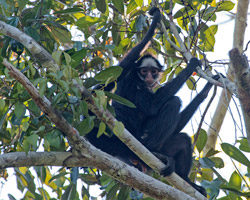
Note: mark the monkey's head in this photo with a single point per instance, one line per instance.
(149, 71)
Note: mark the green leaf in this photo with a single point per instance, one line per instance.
(183, 11)
(69, 11)
(85, 22)
(139, 2)
(57, 56)
(119, 5)
(218, 162)
(235, 153)
(64, 85)
(206, 162)
(113, 191)
(140, 23)
(84, 108)
(77, 57)
(19, 109)
(120, 99)
(62, 174)
(235, 181)
(70, 192)
(237, 192)
(207, 39)
(54, 138)
(202, 140)
(225, 6)
(2, 103)
(244, 145)
(131, 6)
(67, 58)
(191, 83)
(86, 125)
(101, 5)
(42, 86)
(101, 130)
(118, 128)
(111, 74)
(212, 152)
(61, 33)
(34, 108)
(214, 29)
(32, 33)
(123, 193)
(32, 139)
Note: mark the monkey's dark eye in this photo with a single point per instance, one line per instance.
(144, 71)
(154, 71)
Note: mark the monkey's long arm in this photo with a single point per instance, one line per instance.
(156, 101)
(134, 54)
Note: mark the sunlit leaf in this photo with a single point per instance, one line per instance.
(120, 99)
(139, 2)
(225, 6)
(219, 163)
(235, 181)
(119, 5)
(61, 33)
(244, 145)
(235, 153)
(202, 140)
(87, 21)
(111, 73)
(131, 6)
(101, 130)
(191, 83)
(118, 128)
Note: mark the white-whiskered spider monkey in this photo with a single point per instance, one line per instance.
(156, 121)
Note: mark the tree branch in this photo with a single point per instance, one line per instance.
(112, 166)
(242, 78)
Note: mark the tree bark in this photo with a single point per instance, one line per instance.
(242, 79)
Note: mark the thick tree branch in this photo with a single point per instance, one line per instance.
(242, 78)
(112, 166)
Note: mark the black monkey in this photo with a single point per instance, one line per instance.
(156, 121)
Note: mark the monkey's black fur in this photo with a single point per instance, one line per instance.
(156, 121)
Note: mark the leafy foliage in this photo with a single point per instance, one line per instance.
(85, 38)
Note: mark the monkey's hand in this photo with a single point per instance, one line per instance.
(195, 62)
(155, 12)
(168, 161)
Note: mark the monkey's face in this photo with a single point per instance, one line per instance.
(150, 75)
(149, 72)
